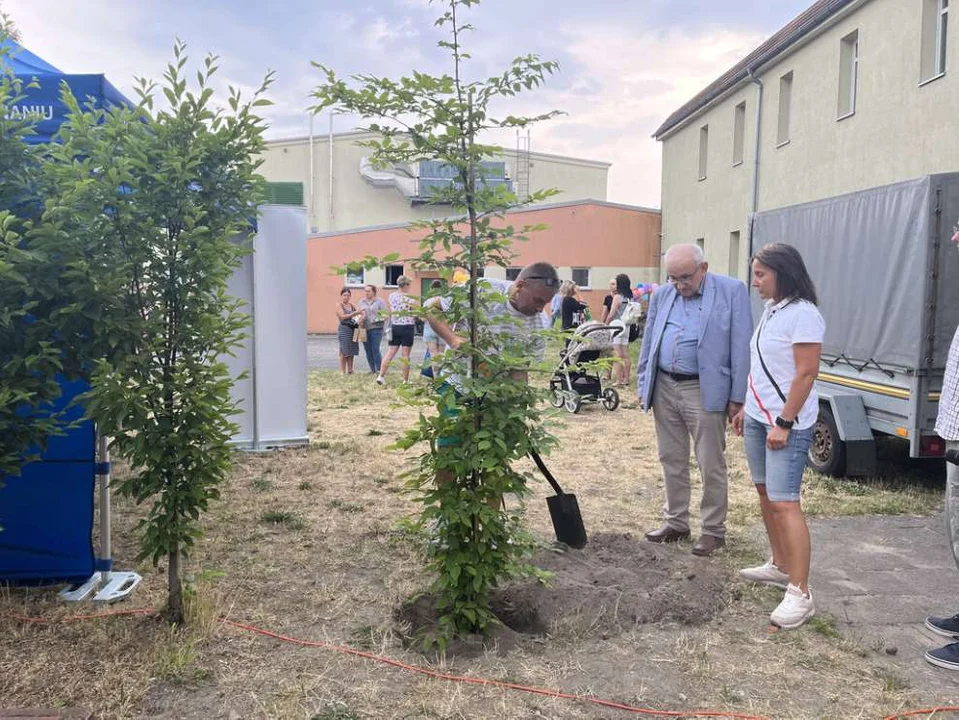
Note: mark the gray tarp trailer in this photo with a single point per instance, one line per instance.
(887, 276)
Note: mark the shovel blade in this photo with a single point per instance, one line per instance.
(567, 520)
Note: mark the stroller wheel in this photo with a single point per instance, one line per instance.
(556, 399)
(610, 399)
(573, 403)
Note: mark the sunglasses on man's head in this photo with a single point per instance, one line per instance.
(547, 281)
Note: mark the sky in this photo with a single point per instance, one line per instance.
(625, 65)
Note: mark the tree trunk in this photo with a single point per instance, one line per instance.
(175, 600)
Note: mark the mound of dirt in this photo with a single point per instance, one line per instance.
(614, 583)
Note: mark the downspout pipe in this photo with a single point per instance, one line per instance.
(759, 114)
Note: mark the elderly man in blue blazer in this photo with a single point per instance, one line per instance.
(692, 372)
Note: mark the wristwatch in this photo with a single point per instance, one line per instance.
(784, 423)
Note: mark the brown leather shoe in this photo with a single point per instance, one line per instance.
(666, 534)
(707, 545)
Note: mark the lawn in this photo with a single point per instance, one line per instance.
(308, 544)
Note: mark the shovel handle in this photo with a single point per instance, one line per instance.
(546, 473)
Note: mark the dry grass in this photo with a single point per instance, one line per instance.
(307, 542)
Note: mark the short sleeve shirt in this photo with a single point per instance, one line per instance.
(947, 423)
(784, 324)
(400, 306)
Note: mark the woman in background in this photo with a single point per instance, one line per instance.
(349, 318)
(402, 328)
(622, 296)
(374, 314)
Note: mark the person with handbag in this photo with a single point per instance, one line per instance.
(349, 318)
(374, 313)
(777, 421)
(692, 373)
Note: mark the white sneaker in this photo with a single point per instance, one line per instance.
(767, 574)
(380, 380)
(795, 609)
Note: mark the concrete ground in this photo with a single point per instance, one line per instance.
(322, 353)
(877, 576)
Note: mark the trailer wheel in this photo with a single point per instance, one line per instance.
(827, 453)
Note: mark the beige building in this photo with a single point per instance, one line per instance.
(851, 94)
(342, 191)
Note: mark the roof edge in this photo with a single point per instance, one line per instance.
(806, 25)
(513, 211)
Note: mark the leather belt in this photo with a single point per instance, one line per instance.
(680, 377)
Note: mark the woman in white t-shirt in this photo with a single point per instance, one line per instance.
(778, 418)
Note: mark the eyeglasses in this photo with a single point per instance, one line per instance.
(683, 279)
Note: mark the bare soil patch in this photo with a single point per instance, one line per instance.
(307, 543)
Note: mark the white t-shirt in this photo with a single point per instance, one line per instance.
(783, 325)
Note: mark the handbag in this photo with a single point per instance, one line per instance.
(359, 335)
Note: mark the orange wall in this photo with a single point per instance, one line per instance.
(579, 235)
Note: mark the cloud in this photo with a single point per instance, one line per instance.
(633, 81)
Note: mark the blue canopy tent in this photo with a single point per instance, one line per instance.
(47, 513)
(42, 103)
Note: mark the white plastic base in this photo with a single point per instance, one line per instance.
(108, 586)
(79, 593)
(118, 586)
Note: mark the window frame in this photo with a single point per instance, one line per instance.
(350, 274)
(583, 286)
(739, 133)
(942, 36)
(386, 274)
(515, 270)
(703, 168)
(784, 110)
(848, 72)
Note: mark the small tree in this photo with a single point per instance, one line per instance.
(161, 197)
(423, 117)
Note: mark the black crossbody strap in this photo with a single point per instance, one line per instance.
(762, 362)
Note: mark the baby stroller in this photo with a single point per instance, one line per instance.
(571, 386)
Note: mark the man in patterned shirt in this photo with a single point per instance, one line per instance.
(947, 426)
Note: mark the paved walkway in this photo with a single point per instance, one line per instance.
(322, 353)
(879, 577)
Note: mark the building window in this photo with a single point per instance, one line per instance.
(356, 278)
(785, 104)
(733, 270)
(739, 133)
(701, 242)
(848, 73)
(512, 273)
(393, 273)
(703, 149)
(581, 277)
(935, 16)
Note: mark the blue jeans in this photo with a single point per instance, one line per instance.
(779, 470)
(374, 336)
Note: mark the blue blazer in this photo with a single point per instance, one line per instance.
(726, 327)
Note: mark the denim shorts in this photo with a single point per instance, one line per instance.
(779, 470)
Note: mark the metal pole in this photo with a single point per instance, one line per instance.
(330, 149)
(103, 470)
(309, 202)
(755, 198)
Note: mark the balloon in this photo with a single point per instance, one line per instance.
(636, 292)
(655, 287)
